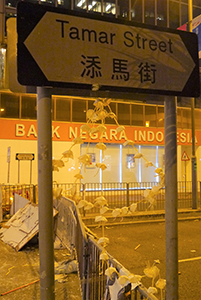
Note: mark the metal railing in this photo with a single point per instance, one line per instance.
(94, 283)
(7, 192)
(117, 194)
(124, 194)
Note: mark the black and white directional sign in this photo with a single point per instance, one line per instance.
(24, 156)
(63, 48)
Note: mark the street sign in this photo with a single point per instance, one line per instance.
(185, 156)
(24, 156)
(64, 48)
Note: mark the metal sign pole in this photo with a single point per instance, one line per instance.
(30, 171)
(193, 157)
(45, 195)
(171, 222)
(185, 179)
(18, 171)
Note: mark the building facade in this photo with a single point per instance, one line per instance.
(142, 115)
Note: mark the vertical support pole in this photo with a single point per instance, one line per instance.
(45, 194)
(30, 171)
(190, 15)
(171, 222)
(2, 21)
(18, 171)
(34, 194)
(193, 157)
(185, 179)
(127, 194)
(8, 176)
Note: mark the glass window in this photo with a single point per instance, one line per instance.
(63, 109)
(197, 118)
(123, 8)
(79, 110)
(186, 118)
(9, 105)
(80, 4)
(108, 120)
(91, 104)
(196, 2)
(148, 175)
(174, 15)
(130, 165)
(149, 12)
(162, 13)
(136, 10)
(196, 11)
(94, 6)
(109, 7)
(161, 116)
(184, 14)
(150, 116)
(12, 3)
(28, 108)
(137, 115)
(113, 109)
(123, 114)
(179, 110)
(64, 3)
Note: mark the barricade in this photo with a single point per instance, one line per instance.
(72, 233)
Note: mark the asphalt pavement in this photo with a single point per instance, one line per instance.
(141, 244)
(135, 243)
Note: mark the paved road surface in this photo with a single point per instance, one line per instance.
(136, 245)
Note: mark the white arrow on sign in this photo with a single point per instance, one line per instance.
(75, 49)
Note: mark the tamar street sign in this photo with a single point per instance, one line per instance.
(63, 48)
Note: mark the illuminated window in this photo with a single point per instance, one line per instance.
(150, 115)
(10, 104)
(161, 116)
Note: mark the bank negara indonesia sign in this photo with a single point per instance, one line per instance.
(61, 48)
